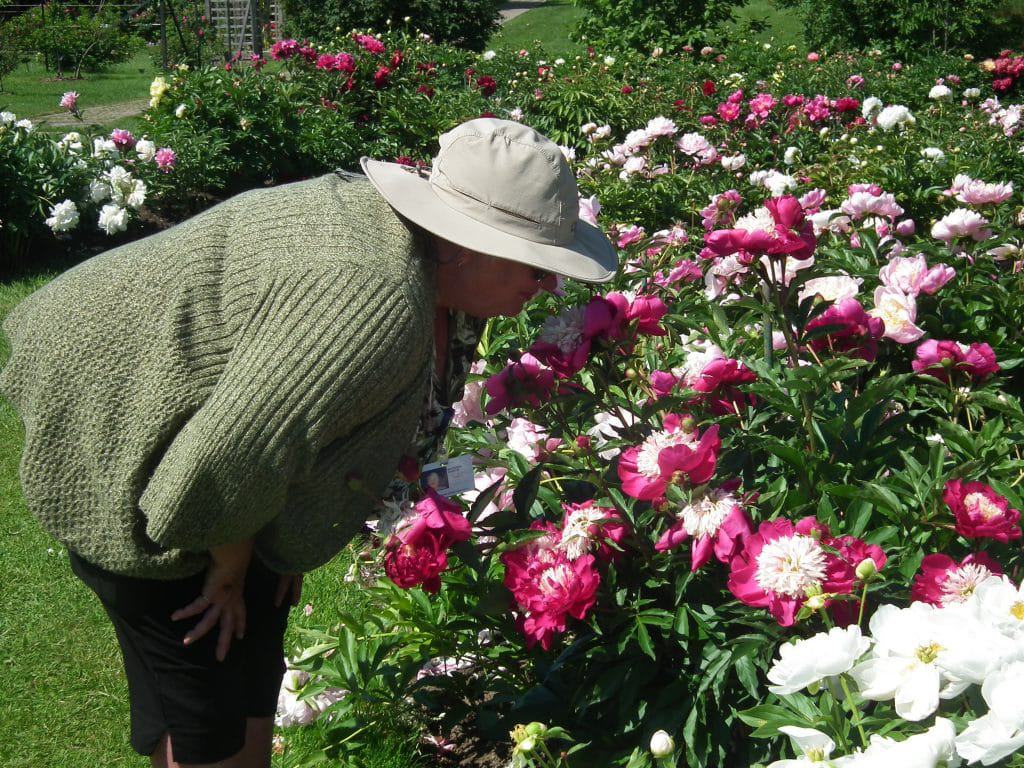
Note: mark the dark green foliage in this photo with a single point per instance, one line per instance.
(643, 25)
(466, 23)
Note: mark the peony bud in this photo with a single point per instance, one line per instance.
(815, 602)
(866, 569)
(631, 373)
(536, 729)
(662, 744)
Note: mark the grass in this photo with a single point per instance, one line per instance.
(782, 28)
(64, 702)
(550, 24)
(31, 91)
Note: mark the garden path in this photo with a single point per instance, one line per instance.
(106, 114)
(516, 7)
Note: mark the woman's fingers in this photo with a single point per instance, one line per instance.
(208, 622)
(194, 608)
(227, 624)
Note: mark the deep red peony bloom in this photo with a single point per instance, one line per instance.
(941, 359)
(416, 553)
(980, 512)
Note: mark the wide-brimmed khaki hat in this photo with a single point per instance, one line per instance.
(499, 187)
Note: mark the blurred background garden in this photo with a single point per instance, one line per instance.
(118, 119)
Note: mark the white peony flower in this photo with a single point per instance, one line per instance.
(137, 195)
(609, 60)
(488, 55)
(609, 426)
(871, 105)
(103, 148)
(145, 149)
(662, 745)
(972, 93)
(939, 92)
(895, 116)
(71, 143)
(1000, 605)
(179, 111)
(831, 288)
(734, 162)
(935, 748)
(99, 190)
(63, 216)
(113, 219)
(999, 733)
(809, 661)
(790, 155)
(934, 154)
(917, 657)
(812, 746)
(25, 125)
(7, 118)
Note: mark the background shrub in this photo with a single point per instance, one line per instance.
(646, 24)
(466, 23)
(910, 28)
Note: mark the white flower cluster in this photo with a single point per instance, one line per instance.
(916, 657)
(123, 191)
(293, 710)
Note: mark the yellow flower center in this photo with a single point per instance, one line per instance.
(982, 505)
(928, 653)
(1017, 610)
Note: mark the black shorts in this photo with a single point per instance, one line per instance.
(183, 690)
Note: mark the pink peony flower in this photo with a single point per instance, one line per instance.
(718, 525)
(980, 512)
(863, 203)
(69, 101)
(959, 224)
(812, 201)
(381, 77)
(899, 312)
(587, 527)
(525, 381)
(629, 235)
(980, 361)
(646, 312)
(697, 148)
(589, 208)
(943, 581)
(722, 210)
(857, 333)
(283, 50)
(779, 568)
(912, 276)
(855, 82)
(165, 159)
(530, 440)
(416, 553)
(976, 192)
(470, 408)
(122, 139)
(831, 288)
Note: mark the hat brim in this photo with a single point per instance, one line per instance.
(590, 257)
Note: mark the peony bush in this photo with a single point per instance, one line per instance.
(751, 498)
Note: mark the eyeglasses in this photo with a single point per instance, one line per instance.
(539, 275)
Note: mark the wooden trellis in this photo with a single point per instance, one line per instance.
(239, 23)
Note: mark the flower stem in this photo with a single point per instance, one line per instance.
(854, 711)
(863, 602)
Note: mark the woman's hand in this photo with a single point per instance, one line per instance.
(223, 597)
(289, 586)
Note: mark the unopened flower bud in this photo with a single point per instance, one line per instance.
(527, 745)
(662, 744)
(813, 590)
(866, 569)
(631, 373)
(536, 729)
(815, 602)
(688, 423)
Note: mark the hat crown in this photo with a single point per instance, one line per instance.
(508, 176)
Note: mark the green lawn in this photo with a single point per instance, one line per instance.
(784, 28)
(64, 701)
(30, 90)
(549, 24)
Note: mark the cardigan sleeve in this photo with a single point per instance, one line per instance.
(324, 347)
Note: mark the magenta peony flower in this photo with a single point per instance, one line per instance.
(381, 77)
(691, 464)
(941, 358)
(857, 333)
(943, 581)
(639, 466)
(370, 43)
(718, 525)
(525, 381)
(779, 568)
(980, 512)
(416, 553)
(165, 159)
(646, 312)
(718, 382)
(283, 50)
(548, 587)
(662, 383)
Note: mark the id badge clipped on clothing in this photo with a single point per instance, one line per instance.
(449, 478)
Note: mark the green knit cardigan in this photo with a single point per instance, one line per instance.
(257, 370)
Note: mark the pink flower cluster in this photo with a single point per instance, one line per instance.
(417, 553)
(336, 62)
(788, 233)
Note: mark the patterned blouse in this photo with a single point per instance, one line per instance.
(438, 406)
